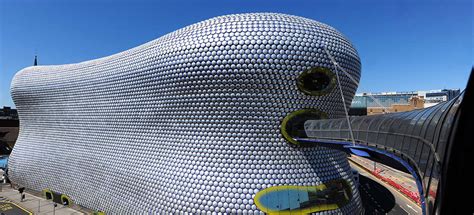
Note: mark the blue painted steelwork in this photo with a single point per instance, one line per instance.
(420, 138)
(384, 157)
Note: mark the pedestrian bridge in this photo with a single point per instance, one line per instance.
(418, 142)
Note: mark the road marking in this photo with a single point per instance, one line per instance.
(412, 208)
(380, 181)
(392, 189)
(404, 210)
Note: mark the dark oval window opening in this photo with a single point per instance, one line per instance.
(292, 125)
(49, 195)
(65, 200)
(316, 81)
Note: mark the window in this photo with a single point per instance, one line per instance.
(316, 81)
(292, 125)
(290, 199)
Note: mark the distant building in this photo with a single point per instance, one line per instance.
(434, 97)
(8, 113)
(415, 102)
(8, 128)
(388, 102)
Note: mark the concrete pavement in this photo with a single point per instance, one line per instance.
(34, 204)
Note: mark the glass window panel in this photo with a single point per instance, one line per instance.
(402, 128)
(427, 172)
(304, 199)
(364, 126)
(439, 128)
(410, 147)
(428, 122)
(373, 128)
(365, 123)
(409, 143)
(424, 155)
(419, 147)
(446, 129)
(430, 133)
(383, 129)
(356, 122)
(381, 139)
(391, 136)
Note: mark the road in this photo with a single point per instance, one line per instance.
(380, 198)
(404, 179)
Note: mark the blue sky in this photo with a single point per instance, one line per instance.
(404, 45)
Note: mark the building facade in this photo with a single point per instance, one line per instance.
(390, 102)
(208, 101)
(8, 129)
(7, 113)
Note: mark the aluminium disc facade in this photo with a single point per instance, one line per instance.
(189, 122)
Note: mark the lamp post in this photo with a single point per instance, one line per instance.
(54, 208)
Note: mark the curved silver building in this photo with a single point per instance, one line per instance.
(190, 122)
